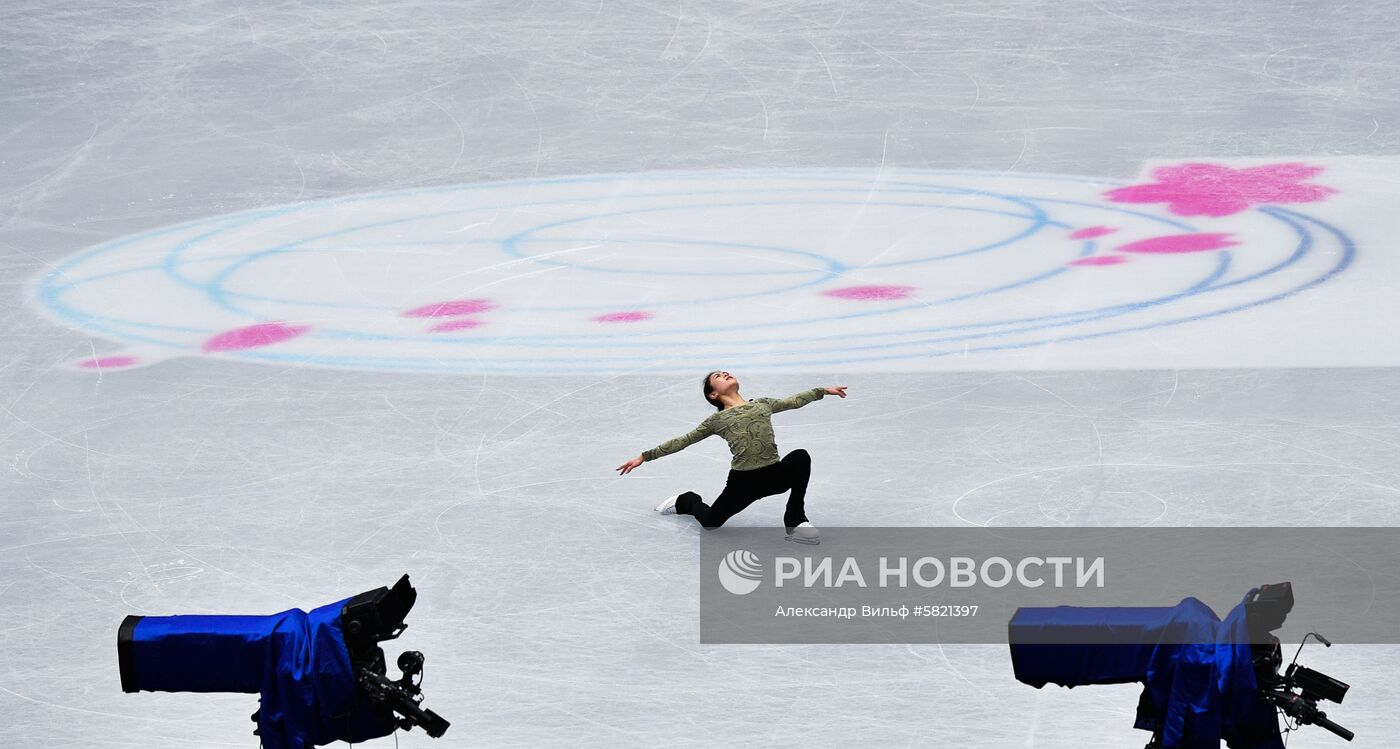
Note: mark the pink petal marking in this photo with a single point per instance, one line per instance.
(1215, 190)
(108, 362)
(1176, 243)
(1099, 260)
(253, 336)
(451, 325)
(452, 308)
(623, 317)
(1092, 232)
(871, 293)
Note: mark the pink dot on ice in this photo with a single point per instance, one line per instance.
(871, 293)
(1099, 260)
(108, 362)
(1092, 232)
(1177, 243)
(451, 325)
(451, 308)
(253, 336)
(624, 317)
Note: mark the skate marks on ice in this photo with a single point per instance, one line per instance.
(1193, 264)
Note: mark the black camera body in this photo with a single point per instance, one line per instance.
(1298, 689)
(369, 619)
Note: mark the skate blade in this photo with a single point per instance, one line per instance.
(804, 541)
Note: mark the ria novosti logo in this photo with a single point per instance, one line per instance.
(740, 572)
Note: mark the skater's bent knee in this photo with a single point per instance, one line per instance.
(713, 520)
(799, 454)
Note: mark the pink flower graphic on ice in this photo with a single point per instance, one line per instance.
(1216, 190)
(631, 316)
(875, 293)
(452, 308)
(253, 336)
(1172, 244)
(107, 362)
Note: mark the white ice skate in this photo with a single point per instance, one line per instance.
(668, 505)
(804, 533)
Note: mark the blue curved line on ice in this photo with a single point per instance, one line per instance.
(48, 291)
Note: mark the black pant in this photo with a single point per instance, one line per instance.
(743, 488)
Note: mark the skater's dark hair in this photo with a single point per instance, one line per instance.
(706, 384)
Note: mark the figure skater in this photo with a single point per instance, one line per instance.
(755, 472)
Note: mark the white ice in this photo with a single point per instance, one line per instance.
(555, 608)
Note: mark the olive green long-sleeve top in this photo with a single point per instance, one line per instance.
(748, 428)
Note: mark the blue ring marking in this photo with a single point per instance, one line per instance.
(1038, 218)
(923, 189)
(892, 310)
(1061, 319)
(1038, 212)
(51, 278)
(221, 295)
(735, 174)
(217, 295)
(47, 294)
(334, 334)
(42, 291)
(172, 260)
(1203, 285)
(741, 175)
(833, 266)
(1304, 246)
(157, 268)
(331, 333)
(1128, 308)
(834, 269)
(58, 272)
(1124, 308)
(1348, 255)
(440, 364)
(152, 268)
(1221, 267)
(1287, 216)
(1206, 285)
(536, 342)
(366, 336)
(220, 298)
(1348, 252)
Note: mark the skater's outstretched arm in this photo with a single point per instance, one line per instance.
(804, 397)
(669, 446)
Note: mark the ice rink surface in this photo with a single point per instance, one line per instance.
(297, 298)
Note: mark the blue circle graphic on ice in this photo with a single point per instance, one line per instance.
(673, 272)
(740, 572)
